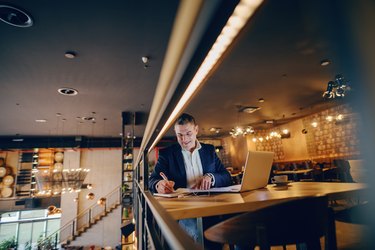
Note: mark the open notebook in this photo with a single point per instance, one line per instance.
(256, 174)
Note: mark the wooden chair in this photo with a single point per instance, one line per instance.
(298, 221)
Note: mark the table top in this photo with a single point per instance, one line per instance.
(227, 203)
(300, 171)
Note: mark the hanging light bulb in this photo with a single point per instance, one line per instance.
(101, 201)
(90, 196)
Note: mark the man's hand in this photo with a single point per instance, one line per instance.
(165, 187)
(204, 183)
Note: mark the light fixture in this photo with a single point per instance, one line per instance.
(57, 181)
(329, 118)
(67, 91)
(70, 54)
(261, 100)
(41, 120)
(238, 130)
(314, 124)
(241, 14)
(336, 88)
(145, 60)
(90, 196)
(249, 109)
(52, 210)
(339, 117)
(215, 130)
(15, 17)
(325, 62)
(101, 201)
(272, 136)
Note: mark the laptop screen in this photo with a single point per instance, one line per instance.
(257, 170)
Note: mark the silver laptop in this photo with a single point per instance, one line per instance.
(256, 174)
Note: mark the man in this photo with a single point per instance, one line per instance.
(189, 163)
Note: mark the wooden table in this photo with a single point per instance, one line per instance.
(227, 203)
(295, 174)
(300, 171)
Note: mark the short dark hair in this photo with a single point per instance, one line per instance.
(184, 119)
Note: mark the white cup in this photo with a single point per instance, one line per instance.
(279, 178)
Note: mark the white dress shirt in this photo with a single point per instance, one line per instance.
(193, 166)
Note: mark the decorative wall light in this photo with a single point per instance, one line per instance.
(51, 210)
(272, 136)
(102, 201)
(90, 196)
(336, 88)
(238, 130)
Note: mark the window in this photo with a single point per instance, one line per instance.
(27, 226)
(8, 231)
(33, 214)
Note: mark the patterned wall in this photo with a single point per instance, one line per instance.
(275, 144)
(335, 136)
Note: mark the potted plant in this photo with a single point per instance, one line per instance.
(45, 243)
(9, 244)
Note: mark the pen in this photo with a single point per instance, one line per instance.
(166, 179)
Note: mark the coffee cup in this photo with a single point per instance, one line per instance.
(279, 179)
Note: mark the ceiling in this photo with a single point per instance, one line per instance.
(276, 57)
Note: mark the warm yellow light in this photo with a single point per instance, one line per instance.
(314, 124)
(329, 118)
(235, 23)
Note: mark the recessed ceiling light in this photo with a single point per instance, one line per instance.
(88, 118)
(70, 54)
(67, 91)
(261, 100)
(269, 121)
(145, 59)
(15, 17)
(41, 120)
(325, 62)
(249, 110)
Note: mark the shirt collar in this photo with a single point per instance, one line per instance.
(199, 146)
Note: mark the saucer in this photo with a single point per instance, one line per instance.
(284, 183)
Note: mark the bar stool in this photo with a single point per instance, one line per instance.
(298, 221)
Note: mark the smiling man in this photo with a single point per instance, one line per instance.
(189, 163)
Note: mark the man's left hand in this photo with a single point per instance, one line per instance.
(204, 183)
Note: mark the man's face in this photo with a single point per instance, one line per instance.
(186, 135)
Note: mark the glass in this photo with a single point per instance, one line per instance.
(38, 231)
(52, 226)
(24, 233)
(9, 216)
(33, 214)
(7, 231)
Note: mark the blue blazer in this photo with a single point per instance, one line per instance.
(171, 163)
